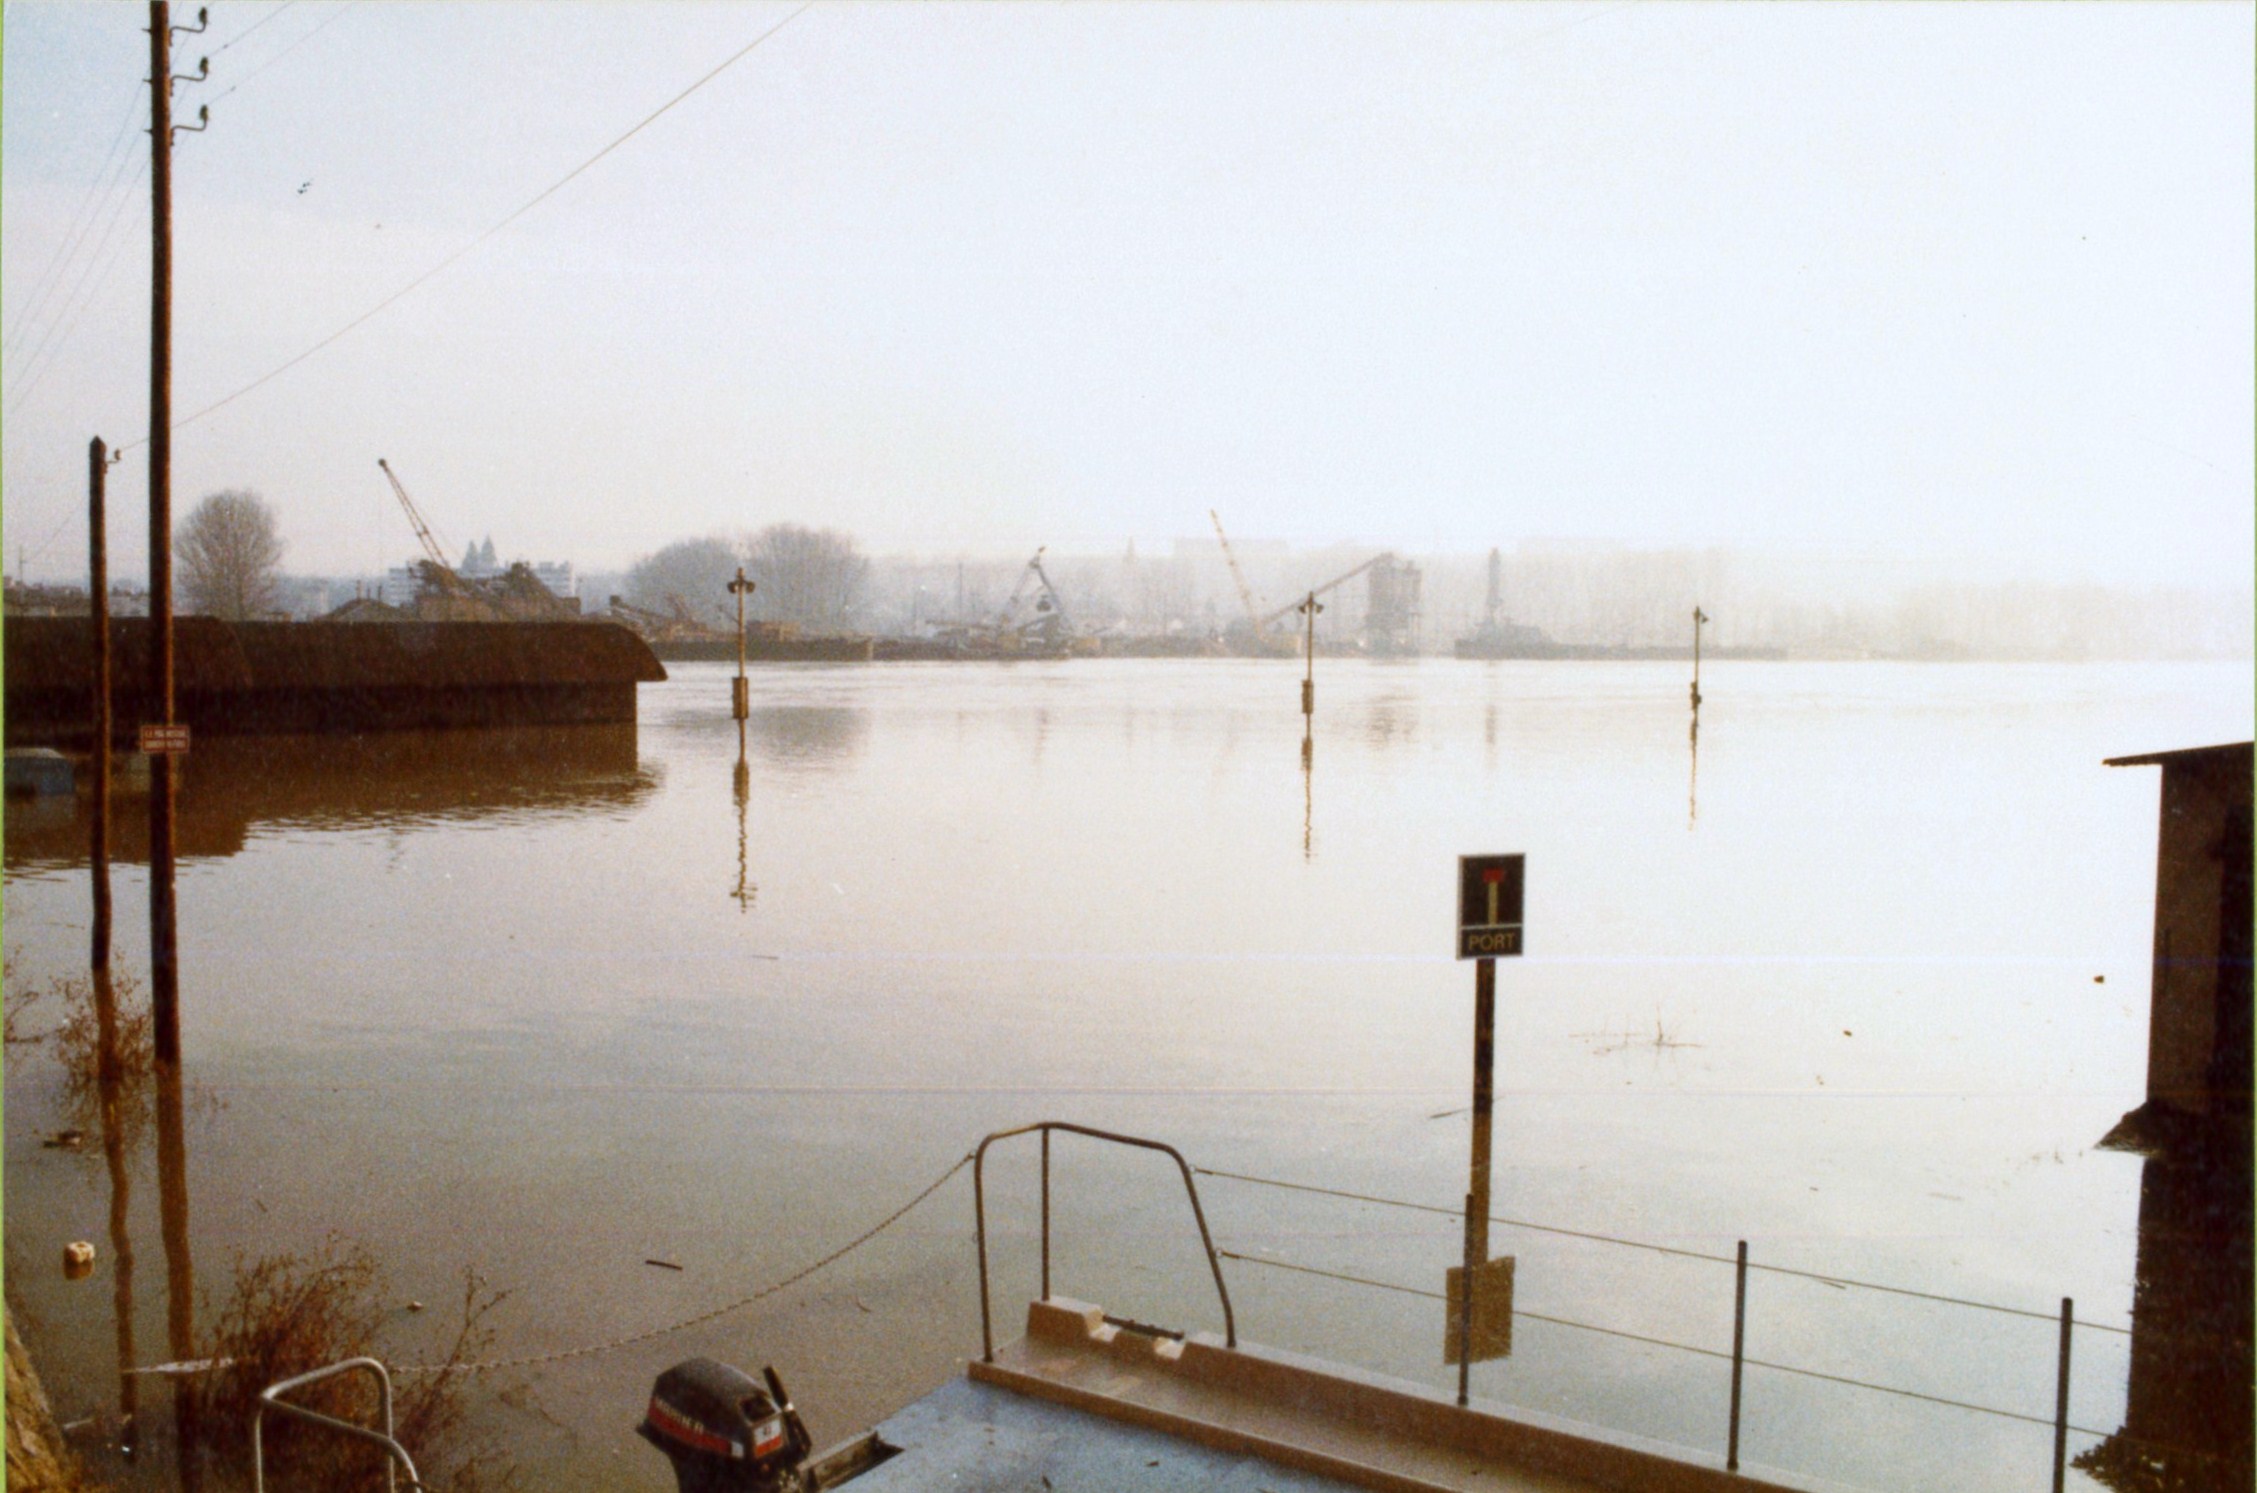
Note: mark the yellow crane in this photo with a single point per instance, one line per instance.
(442, 574)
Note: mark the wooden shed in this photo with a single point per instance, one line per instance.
(2198, 1041)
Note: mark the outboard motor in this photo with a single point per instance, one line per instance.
(726, 1433)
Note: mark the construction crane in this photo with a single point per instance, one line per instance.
(440, 572)
(1261, 624)
(1049, 624)
(1245, 592)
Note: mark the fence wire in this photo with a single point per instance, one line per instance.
(1616, 1332)
(1664, 1249)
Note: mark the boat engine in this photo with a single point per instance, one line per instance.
(726, 1432)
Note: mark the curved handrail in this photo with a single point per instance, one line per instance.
(979, 1210)
(270, 1399)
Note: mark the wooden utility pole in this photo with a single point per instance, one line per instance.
(98, 595)
(164, 942)
(164, 945)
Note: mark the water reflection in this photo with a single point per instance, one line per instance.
(2188, 1406)
(109, 1087)
(1391, 717)
(234, 787)
(1308, 792)
(809, 735)
(740, 786)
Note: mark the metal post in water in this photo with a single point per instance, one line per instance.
(2061, 1399)
(1309, 609)
(1739, 1352)
(740, 696)
(1465, 1304)
(1484, 1101)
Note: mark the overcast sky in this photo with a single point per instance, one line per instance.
(1970, 284)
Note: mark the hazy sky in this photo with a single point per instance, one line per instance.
(1970, 283)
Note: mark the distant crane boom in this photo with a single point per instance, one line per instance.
(1245, 592)
(431, 549)
(1262, 623)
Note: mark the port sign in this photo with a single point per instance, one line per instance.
(1489, 898)
(160, 741)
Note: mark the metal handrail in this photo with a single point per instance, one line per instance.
(270, 1399)
(1044, 1127)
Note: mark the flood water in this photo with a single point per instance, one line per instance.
(550, 1005)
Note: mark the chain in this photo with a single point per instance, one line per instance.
(537, 1359)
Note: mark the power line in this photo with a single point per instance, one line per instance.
(82, 221)
(255, 25)
(74, 305)
(335, 16)
(536, 200)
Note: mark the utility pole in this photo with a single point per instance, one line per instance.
(98, 588)
(164, 941)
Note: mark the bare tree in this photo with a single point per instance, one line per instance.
(814, 577)
(230, 553)
(693, 574)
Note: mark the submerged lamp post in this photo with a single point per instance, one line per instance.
(1309, 609)
(740, 697)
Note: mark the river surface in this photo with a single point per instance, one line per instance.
(1863, 993)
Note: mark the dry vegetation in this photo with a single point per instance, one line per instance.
(287, 1314)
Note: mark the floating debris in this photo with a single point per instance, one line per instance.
(78, 1259)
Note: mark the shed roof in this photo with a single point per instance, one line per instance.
(2224, 755)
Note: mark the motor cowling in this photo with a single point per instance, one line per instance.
(725, 1431)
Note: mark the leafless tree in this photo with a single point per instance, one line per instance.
(230, 554)
(814, 577)
(694, 573)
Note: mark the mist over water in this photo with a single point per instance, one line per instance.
(552, 1004)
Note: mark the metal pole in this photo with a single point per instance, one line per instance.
(1484, 1094)
(740, 695)
(1465, 1305)
(1309, 609)
(979, 1231)
(1046, 1215)
(1739, 1348)
(2061, 1399)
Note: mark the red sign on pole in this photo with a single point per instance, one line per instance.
(162, 741)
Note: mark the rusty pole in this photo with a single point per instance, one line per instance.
(164, 968)
(98, 589)
(1484, 1101)
(164, 945)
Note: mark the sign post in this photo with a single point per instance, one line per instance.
(1489, 924)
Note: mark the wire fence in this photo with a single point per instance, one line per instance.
(1664, 1249)
(2059, 1421)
